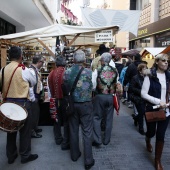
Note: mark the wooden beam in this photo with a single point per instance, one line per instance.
(50, 52)
(72, 41)
(78, 48)
(8, 42)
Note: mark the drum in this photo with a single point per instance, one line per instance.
(12, 117)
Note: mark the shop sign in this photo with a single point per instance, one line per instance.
(104, 36)
(142, 32)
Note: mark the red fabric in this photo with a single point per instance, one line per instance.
(116, 103)
(53, 110)
(55, 79)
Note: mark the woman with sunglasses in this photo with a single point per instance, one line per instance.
(155, 91)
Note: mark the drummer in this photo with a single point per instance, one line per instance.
(16, 80)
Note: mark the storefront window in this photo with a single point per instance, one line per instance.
(162, 40)
(6, 27)
(144, 42)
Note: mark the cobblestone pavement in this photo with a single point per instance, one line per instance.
(126, 150)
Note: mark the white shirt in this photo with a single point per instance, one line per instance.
(31, 79)
(31, 90)
(151, 99)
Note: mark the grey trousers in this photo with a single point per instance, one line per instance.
(35, 114)
(83, 115)
(103, 108)
(25, 137)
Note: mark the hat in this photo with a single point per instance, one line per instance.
(102, 49)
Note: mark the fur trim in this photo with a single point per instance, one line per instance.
(147, 72)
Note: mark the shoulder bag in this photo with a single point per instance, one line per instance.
(68, 99)
(155, 116)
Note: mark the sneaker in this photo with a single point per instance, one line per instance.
(124, 100)
(129, 102)
(130, 105)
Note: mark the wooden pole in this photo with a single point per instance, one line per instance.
(72, 41)
(50, 52)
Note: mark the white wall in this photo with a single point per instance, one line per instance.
(52, 6)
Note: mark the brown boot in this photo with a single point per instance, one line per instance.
(158, 153)
(148, 144)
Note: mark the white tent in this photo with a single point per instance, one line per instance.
(127, 20)
(152, 50)
(83, 35)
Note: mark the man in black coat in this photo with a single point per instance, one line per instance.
(132, 69)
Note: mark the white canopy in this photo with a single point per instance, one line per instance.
(153, 51)
(47, 33)
(127, 20)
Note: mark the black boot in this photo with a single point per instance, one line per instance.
(141, 131)
(135, 118)
(158, 153)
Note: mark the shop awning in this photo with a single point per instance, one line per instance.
(46, 34)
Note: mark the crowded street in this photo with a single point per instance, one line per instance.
(126, 151)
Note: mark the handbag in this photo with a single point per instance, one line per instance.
(155, 116)
(68, 101)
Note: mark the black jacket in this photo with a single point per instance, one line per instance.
(135, 87)
(155, 87)
(130, 72)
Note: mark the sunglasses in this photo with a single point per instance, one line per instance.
(164, 60)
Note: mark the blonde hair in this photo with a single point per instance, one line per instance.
(161, 56)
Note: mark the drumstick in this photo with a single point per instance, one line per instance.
(158, 106)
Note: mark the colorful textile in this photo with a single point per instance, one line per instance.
(106, 80)
(83, 90)
(53, 110)
(55, 79)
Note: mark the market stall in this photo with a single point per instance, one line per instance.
(44, 39)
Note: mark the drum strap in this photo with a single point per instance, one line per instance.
(2, 79)
(19, 65)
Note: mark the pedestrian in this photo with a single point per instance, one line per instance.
(155, 92)
(83, 113)
(55, 80)
(16, 82)
(135, 87)
(103, 101)
(37, 63)
(121, 79)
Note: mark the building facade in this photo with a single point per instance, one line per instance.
(18, 16)
(154, 25)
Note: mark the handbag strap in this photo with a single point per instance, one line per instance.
(76, 80)
(19, 65)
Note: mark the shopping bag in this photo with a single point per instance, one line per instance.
(116, 103)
